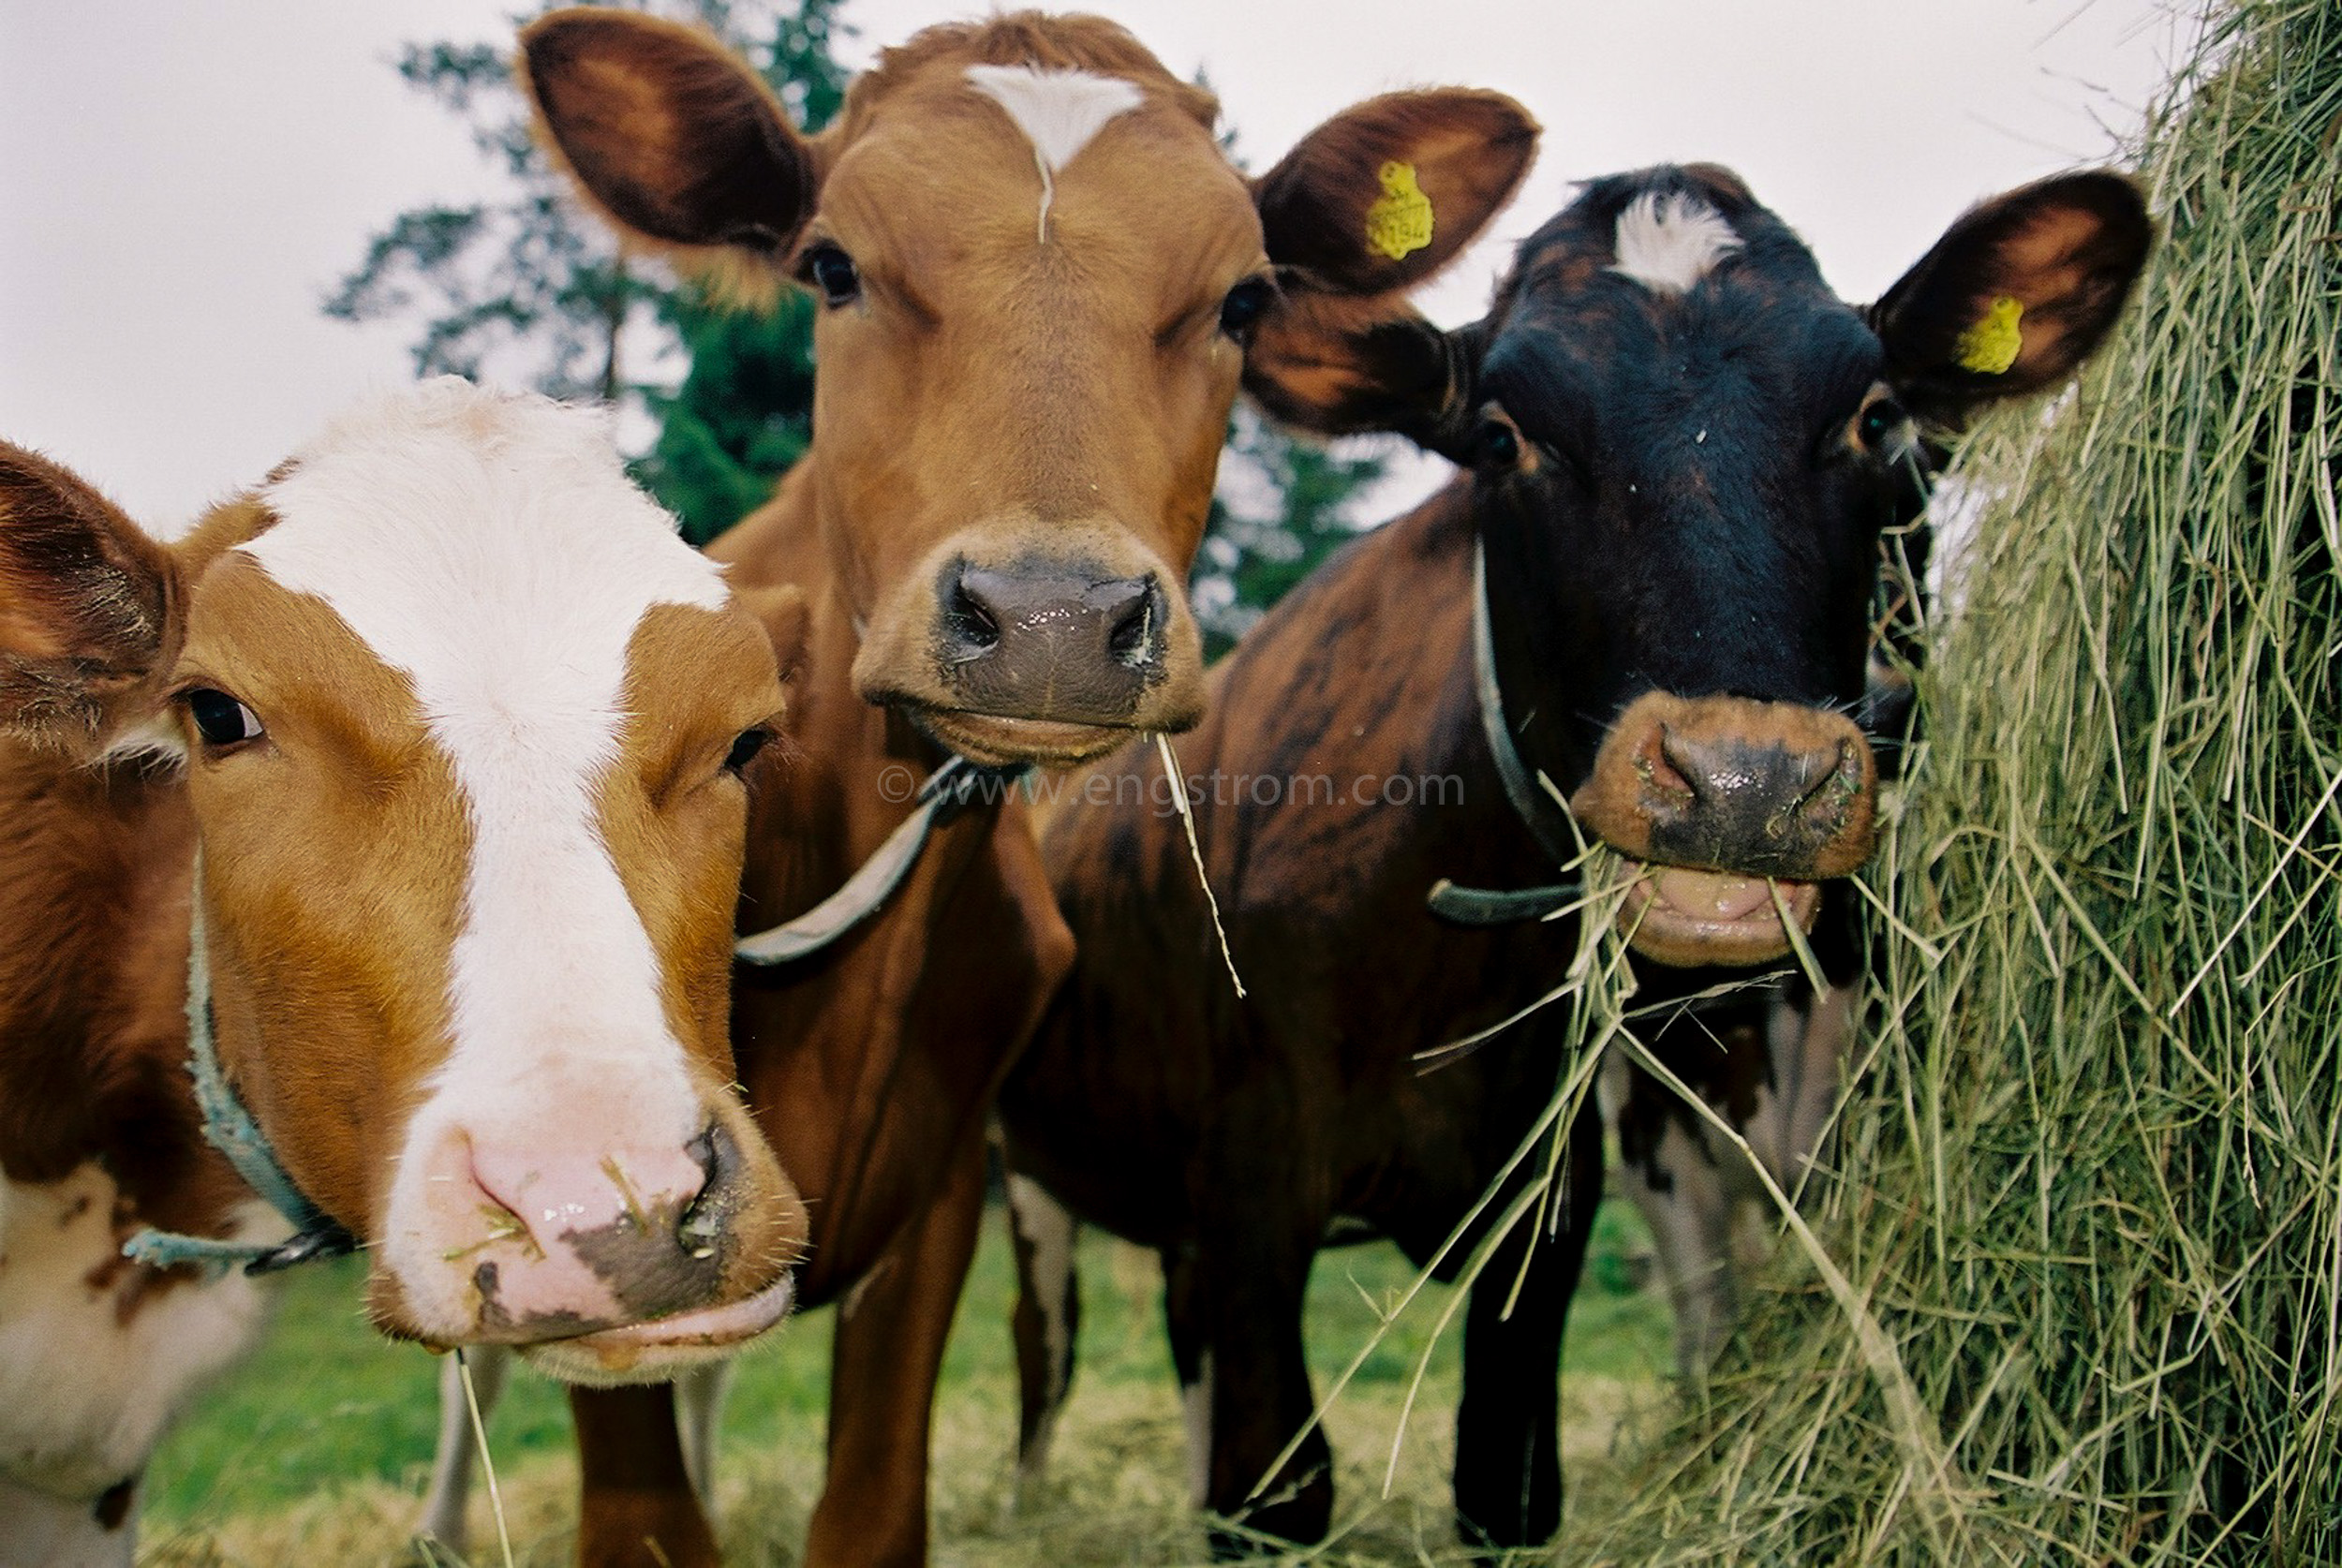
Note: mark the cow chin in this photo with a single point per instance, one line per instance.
(659, 1351)
(1687, 919)
(1002, 740)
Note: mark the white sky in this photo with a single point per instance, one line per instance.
(185, 179)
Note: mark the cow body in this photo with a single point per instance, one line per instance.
(1038, 274)
(366, 730)
(99, 1136)
(1685, 451)
(1232, 1135)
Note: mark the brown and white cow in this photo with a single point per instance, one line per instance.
(458, 724)
(1039, 272)
(1684, 449)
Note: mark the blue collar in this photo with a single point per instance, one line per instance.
(230, 1129)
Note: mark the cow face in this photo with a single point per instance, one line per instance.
(1037, 272)
(1684, 448)
(460, 721)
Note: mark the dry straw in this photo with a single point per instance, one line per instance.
(2090, 1182)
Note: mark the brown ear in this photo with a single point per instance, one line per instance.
(1339, 366)
(787, 619)
(2016, 294)
(1384, 194)
(677, 141)
(86, 604)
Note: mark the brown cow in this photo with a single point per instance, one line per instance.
(1653, 589)
(457, 723)
(1039, 272)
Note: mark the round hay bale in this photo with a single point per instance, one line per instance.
(2089, 1182)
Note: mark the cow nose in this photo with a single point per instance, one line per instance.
(1052, 642)
(1761, 788)
(624, 1235)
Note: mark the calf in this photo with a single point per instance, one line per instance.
(418, 769)
(1651, 597)
(1038, 274)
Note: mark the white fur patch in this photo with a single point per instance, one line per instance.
(492, 549)
(1668, 243)
(1060, 112)
(85, 1390)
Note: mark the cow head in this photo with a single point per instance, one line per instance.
(1037, 272)
(1684, 449)
(461, 722)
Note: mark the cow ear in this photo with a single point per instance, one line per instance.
(679, 142)
(1368, 206)
(87, 604)
(1383, 194)
(2016, 294)
(1337, 365)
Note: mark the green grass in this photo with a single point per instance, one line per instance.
(328, 1416)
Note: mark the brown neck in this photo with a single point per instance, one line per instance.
(96, 861)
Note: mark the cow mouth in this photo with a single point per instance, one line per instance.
(654, 1352)
(1686, 918)
(997, 740)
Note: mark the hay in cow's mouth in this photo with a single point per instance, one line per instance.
(1686, 917)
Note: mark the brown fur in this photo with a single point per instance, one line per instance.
(986, 399)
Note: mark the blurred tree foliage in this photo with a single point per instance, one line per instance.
(1283, 506)
(528, 289)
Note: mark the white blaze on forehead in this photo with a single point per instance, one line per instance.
(1060, 112)
(490, 548)
(1668, 243)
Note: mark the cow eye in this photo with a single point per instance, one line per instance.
(1495, 445)
(833, 272)
(745, 748)
(219, 719)
(1245, 304)
(1878, 421)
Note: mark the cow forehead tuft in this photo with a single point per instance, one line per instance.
(1668, 241)
(1060, 111)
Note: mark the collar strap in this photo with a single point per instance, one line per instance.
(230, 1129)
(1532, 801)
(949, 789)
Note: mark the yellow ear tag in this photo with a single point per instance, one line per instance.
(1400, 222)
(1989, 347)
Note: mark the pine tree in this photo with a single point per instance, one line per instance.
(531, 290)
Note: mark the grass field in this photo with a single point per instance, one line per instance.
(316, 1452)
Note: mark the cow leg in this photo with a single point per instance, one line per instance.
(1047, 1317)
(1257, 1381)
(639, 1509)
(1683, 1198)
(444, 1517)
(888, 1348)
(699, 1405)
(1508, 1469)
(1191, 1359)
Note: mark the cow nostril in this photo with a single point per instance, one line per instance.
(1669, 767)
(1131, 637)
(703, 1220)
(969, 620)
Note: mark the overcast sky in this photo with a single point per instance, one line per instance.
(185, 179)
